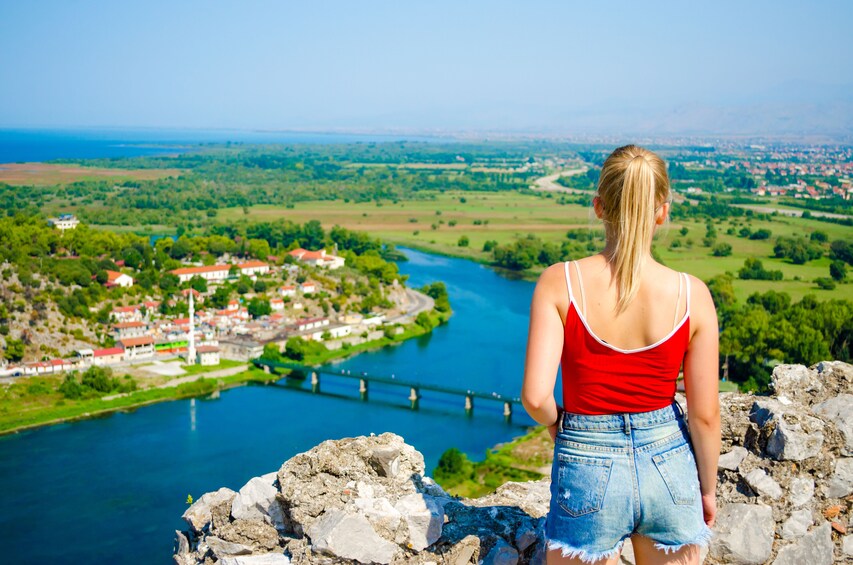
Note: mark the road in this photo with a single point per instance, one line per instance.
(415, 303)
(788, 212)
(549, 183)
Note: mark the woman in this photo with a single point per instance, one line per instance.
(621, 325)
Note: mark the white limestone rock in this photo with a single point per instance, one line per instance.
(763, 484)
(814, 548)
(797, 524)
(257, 501)
(198, 515)
(733, 458)
(838, 410)
(744, 534)
(350, 536)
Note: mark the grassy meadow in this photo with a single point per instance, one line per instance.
(503, 216)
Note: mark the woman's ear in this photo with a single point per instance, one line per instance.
(597, 206)
(662, 214)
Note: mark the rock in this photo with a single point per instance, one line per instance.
(501, 554)
(838, 410)
(257, 501)
(222, 548)
(385, 461)
(260, 559)
(424, 518)
(841, 482)
(847, 545)
(814, 548)
(758, 480)
(801, 491)
(350, 536)
(792, 435)
(744, 534)
(792, 380)
(198, 515)
(256, 534)
(182, 544)
(797, 524)
(465, 552)
(381, 514)
(732, 460)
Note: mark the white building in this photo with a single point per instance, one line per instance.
(287, 290)
(137, 347)
(114, 278)
(276, 304)
(254, 268)
(308, 287)
(318, 258)
(210, 273)
(64, 222)
(207, 355)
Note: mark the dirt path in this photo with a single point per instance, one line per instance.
(190, 378)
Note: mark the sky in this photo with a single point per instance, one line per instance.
(565, 67)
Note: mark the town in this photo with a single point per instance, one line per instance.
(303, 295)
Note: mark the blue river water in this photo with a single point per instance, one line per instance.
(112, 489)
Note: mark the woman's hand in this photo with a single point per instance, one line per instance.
(552, 429)
(709, 508)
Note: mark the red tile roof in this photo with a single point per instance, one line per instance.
(108, 351)
(136, 341)
(199, 270)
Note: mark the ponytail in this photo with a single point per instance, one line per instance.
(633, 180)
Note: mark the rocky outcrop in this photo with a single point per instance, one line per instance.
(785, 494)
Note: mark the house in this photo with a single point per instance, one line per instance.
(305, 324)
(122, 330)
(137, 347)
(253, 268)
(308, 287)
(64, 222)
(276, 304)
(318, 258)
(287, 290)
(207, 355)
(233, 306)
(210, 273)
(339, 330)
(114, 278)
(109, 356)
(126, 314)
(196, 295)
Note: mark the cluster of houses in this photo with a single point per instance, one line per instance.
(141, 333)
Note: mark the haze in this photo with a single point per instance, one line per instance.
(547, 67)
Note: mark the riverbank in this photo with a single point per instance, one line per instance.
(33, 402)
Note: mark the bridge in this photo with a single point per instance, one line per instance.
(415, 388)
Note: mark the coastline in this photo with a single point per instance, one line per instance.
(200, 387)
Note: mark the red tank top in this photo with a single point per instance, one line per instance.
(599, 378)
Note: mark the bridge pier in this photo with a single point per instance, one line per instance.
(469, 403)
(362, 388)
(315, 382)
(267, 369)
(414, 396)
(508, 410)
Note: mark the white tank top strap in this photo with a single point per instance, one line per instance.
(677, 301)
(568, 282)
(687, 279)
(580, 287)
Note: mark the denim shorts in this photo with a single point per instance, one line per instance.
(615, 475)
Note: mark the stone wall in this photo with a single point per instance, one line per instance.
(785, 494)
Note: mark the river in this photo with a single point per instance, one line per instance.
(112, 489)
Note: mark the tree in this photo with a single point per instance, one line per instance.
(169, 282)
(271, 352)
(15, 350)
(220, 297)
(258, 307)
(722, 250)
(838, 270)
(463, 241)
(198, 283)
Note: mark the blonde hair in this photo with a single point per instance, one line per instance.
(632, 186)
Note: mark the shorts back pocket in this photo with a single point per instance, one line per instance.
(677, 467)
(582, 482)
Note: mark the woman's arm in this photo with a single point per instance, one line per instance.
(544, 348)
(701, 386)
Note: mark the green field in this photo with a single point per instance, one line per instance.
(512, 214)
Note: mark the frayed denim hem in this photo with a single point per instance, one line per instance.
(702, 540)
(582, 554)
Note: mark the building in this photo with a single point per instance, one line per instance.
(310, 323)
(210, 273)
(207, 355)
(308, 287)
(124, 330)
(109, 356)
(126, 314)
(196, 294)
(253, 268)
(240, 349)
(276, 304)
(137, 347)
(287, 290)
(114, 278)
(64, 222)
(318, 258)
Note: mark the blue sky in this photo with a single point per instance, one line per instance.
(568, 67)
